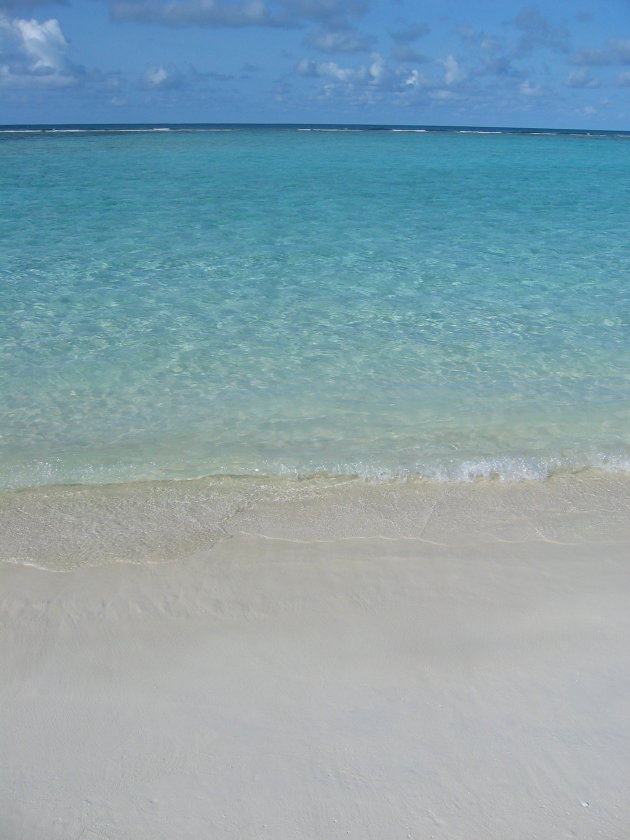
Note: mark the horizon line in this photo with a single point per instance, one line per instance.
(43, 126)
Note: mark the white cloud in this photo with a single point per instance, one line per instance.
(43, 43)
(332, 70)
(453, 73)
(33, 54)
(416, 80)
(528, 89)
(378, 70)
(156, 76)
(367, 83)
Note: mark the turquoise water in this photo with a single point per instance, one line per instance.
(447, 304)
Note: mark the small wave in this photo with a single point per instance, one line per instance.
(508, 468)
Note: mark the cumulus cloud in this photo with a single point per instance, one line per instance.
(381, 80)
(161, 78)
(453, 73)
(529, 89)
(167, 77)
(368, 83)
(43, 43)
(332, 70)
(33, 55)
(498, 67)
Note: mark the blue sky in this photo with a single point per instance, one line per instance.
(454, 62)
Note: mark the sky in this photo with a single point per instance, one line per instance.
(412, 62)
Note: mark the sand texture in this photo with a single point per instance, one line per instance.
(372, 663)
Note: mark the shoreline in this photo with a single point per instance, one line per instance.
(369, 661)
(63, 527)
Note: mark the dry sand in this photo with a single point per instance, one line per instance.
(365, 662)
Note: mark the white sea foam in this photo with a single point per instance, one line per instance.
(499, 468)
(505, 469)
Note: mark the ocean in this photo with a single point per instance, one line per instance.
(390, 304)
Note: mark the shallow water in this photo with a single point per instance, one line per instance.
(377, 303)
(63, 527)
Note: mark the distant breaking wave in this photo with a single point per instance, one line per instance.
(143, 128)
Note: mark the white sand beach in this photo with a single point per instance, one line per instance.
(373, 661)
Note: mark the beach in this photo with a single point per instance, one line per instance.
(366, 660)
(314, 483)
